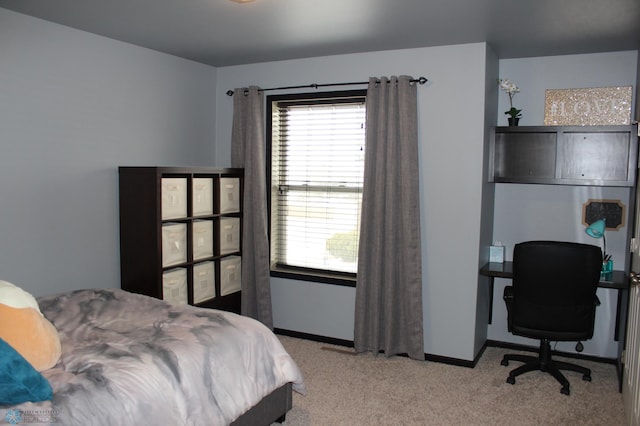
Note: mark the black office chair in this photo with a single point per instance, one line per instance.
(553, 298)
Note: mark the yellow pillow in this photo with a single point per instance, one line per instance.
(24, 328)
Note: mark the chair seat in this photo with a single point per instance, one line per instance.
(556, 336)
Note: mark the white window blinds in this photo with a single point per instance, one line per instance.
(317, 172)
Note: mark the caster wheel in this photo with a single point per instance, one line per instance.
(504, 362)
(511, 380)
(586, 377)
(565, 390)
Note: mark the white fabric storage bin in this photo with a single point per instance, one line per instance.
(204, 282)
(202, 196)
(174, 244)
(202, 239)
(174, 198)
(229, 235)
(229, 195)
(230, 275)
(174, 286)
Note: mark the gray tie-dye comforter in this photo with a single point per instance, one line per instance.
(133, 360)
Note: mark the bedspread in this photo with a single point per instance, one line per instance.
(129, 359)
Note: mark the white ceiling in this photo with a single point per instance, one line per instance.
(222, 33)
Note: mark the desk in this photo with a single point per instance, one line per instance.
(616, 280)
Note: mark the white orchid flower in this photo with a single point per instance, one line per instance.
(511, 89)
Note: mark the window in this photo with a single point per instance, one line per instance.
(317, 166)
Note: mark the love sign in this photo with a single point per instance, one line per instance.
(598, 106)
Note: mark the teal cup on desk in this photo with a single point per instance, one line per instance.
(607, 267)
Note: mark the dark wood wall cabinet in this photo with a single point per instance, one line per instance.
(181, 234)
(584, 155)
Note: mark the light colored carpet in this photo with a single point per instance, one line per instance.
(347, 389)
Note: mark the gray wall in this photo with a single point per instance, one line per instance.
(451, 136)
(534, 75)
(73, 107)
(488, 201)
(524, 212)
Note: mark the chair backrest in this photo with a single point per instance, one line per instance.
(554, 289)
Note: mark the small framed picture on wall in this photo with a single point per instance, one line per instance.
(612, 211)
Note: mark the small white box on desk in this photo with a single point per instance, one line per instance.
(496, 254)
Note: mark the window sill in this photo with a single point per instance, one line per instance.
(324, 277)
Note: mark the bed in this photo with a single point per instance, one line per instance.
(129, 359)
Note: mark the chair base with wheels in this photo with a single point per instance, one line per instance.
(552, 298)
(545, 363)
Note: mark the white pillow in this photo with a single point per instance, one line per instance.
(14, 296)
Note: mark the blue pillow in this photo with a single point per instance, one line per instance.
(19, 381)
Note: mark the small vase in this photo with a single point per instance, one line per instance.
(513, 121)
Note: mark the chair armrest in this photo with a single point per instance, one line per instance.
(507, 295)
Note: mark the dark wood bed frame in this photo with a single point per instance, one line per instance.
(272, 408)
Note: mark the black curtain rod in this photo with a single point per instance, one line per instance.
(420, 80)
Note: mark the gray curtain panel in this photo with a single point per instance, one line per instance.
(248, 152)
(388, 314)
